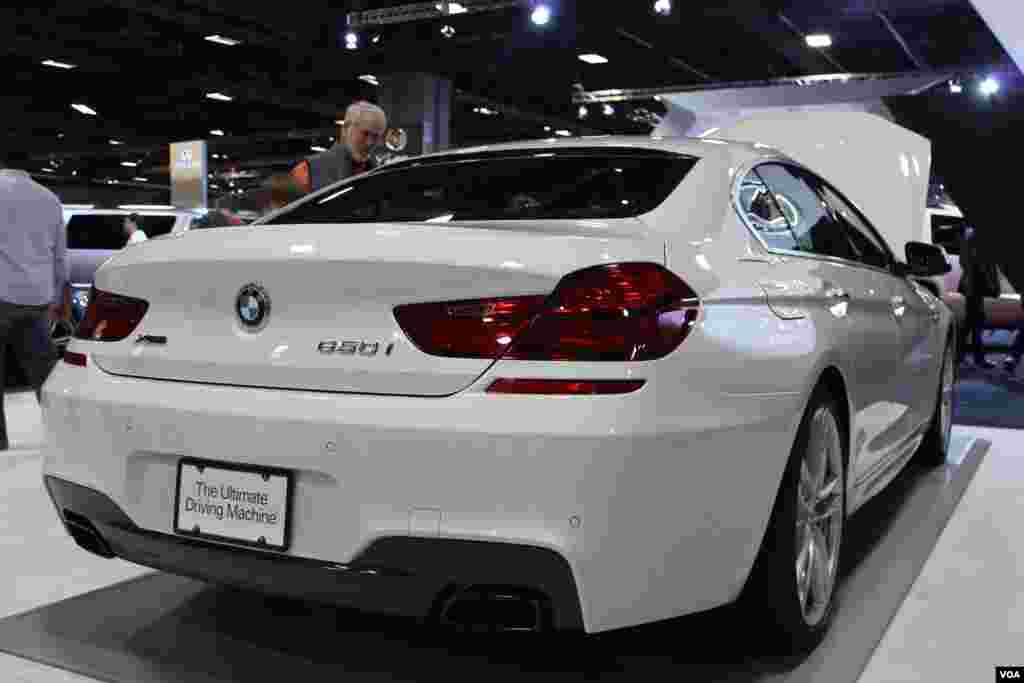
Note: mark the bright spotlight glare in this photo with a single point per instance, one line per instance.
(663, 7)
(583, 111)
(819, 40)
(955, 87)
(989, 86)
(351, 41)
(541, 15)
(609, 110)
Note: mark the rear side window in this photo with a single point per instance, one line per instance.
(814, 230)
(524, 186)
(106, 231)
(948, 232)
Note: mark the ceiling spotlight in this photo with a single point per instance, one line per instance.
(58, 65)
(819, 40)
(223, 40)
(485, 111)
(447, 31)
(220, 97)
(129, 164)
(140, 179)
(955, 86)
(593, 59)
(351, 41)
(541, 15)
(369, 78)
(84, 109)
(375, 39)
(116, 142)
(583, 112)
(663, 7)
(989, 86)
(60, 136)
(609, 110)
(318, 148)
(563, 133)
(547, 129)
(218, 132)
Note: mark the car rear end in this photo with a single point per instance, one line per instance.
(397, 415)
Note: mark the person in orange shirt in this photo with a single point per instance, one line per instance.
(362, 130)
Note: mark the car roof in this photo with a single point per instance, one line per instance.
(699, 147)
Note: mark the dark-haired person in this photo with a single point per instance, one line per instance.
(33, 274)
(980, 280)
(132, 231)
(362, 130)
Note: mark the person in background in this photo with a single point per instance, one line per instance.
(979, 280)
(132, 230)
(284, 190)
(33, 274)
(361, 131)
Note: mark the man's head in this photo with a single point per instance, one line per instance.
(363, 129)
(131, 224)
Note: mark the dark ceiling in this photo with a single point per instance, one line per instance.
(145, 67)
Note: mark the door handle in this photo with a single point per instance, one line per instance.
(899, 306)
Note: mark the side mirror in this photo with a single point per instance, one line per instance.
(925, 260)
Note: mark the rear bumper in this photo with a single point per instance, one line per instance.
(406, 576)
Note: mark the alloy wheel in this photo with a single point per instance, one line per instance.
(821, 500)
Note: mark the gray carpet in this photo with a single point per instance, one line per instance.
(990, 398)
(161, 628)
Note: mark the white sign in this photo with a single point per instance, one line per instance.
(232, 504)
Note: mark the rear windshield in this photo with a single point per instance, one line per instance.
(106, 230)
(521, 186)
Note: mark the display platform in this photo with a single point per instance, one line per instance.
(162, 628)
(990, 398)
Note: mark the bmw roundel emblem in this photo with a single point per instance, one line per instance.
(253, 307)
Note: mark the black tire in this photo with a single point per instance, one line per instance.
(771, 596)
(935, 446)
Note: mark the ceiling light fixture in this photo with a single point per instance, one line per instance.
(447, 31)
(140, 179)
(989, 86)
(955, 86)
(351, 41)
(453, 8)
(485, 111)
(541, 15)
(592, 58)
(547, 129)
(218, 132)
(84, 109)
(116, 142)
(369, 78)
(376, 39)
(129, 164)
(819, 40)
(663, 7)
(59, 65)
(223, 40)
(563, 133)
(220, 97)
(583, 112)
(318, 148)
(609, 110)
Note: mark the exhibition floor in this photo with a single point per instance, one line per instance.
(932, 573)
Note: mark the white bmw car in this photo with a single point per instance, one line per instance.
(590, 383)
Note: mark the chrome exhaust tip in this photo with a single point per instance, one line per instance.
(489, 609)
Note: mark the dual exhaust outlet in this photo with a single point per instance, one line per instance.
(495, 609)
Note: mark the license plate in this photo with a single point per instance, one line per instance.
(236, 503)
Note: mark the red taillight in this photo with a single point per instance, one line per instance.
(618, 312)
(72, 358)
(110, 317)
(560, 386)
(482, 328)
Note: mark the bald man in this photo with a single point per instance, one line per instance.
(363, 129)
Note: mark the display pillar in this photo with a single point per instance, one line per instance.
(188, 174)
(420, 104)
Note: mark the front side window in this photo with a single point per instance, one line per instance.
(814, 230)
(868, 246)
(525, 185)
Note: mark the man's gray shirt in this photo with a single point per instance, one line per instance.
(33, 242)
